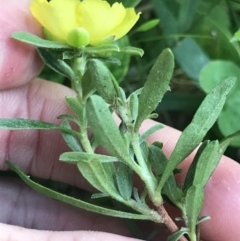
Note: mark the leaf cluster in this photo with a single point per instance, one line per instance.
(128, 153)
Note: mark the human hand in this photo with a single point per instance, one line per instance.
(37, 152)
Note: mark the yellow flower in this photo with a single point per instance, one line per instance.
(100, 20)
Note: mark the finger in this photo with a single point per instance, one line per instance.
(19, 62)
(9, 232)
(22, 206)
(222, 192)
(222, 202)
(37, 152)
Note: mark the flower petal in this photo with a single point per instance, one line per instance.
(128, 22)
(57, 16)
(99, 18)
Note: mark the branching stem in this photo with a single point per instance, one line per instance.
(167, 220)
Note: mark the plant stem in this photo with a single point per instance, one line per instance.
(167, 220)
(145, 174)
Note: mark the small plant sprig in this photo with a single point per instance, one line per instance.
(98, 96)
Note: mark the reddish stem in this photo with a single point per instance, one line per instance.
(167, 220)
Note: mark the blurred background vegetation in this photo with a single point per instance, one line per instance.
(203, 37)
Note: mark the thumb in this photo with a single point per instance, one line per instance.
(19, 62)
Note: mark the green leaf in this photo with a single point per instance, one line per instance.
(203, 219)
(69, 54)
(134, 229)
(187, 13)
(88, 85)
(226, 142)
(159, 161)
(202, 121)
(148, 25)
(216, 70)
(180, 101)
(68, 118)
(38, 42)
(23, 124)
(193, 203)
(102, 80)
(111, 61)
(123, 60)
(105, 129)
(156, 86)
(132, 51)
(228, 121)
(70, 139)
(177, 235)
(124, 180)
(190, 57)
(236, 37)
(73, 201)
(100, 176)
(150, 131)
(203, 164)
(167, 11)
(20, 123)
(102, 50)
(76, 157)
(99, 195)
(76, 107)
(201, 153)
(206, 160)
(133, 105)
(57, 65)
(206, 167)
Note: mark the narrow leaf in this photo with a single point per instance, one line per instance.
(70, 139)
(69, 54)
(102, 50)
(207, 163)
(76, 157)
(159, 162)
(206, 160)
(99, 195)
(88, 85)
(203, 120)
(100, 176)
(148, 25)
(124, 179)
(102, 80)
(73, 201)
(156, 86)
(193, 203)
(76, 107)
(150, 131)
(132, 50)
(68, 118)
(105, 129)
(202, 153)
(176, 236)
(133, 105)
(57, 65)
(187, 13)
(38, 42)
(20, 123)
(203, 219)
